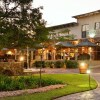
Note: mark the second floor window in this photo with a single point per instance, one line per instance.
(97, 25)
(85, 30)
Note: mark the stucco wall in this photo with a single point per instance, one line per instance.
(91, 20)
(76, 30)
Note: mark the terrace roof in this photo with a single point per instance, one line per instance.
(86, 43)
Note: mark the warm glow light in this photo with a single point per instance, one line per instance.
(88, 71)
(82, 64)
(9, 53)
(63, 50)
(82, 48)
(43, 48)
(90, 49)
(21, 58)
(76, 42)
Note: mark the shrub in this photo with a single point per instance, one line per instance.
(44, 64)
(71, 64)
(59, 64)
(50, 64)
(11, 68)
(38, 64)
(7, 72)
(84, 56)
(24, 82)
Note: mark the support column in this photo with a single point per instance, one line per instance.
(27, 57)
(15, 54)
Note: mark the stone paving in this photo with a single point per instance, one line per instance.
(88, 95)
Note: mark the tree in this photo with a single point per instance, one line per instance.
(60, 36)
(20, 24)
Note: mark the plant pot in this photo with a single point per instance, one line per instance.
(83, 68)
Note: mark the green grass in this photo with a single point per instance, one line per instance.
(74, 83)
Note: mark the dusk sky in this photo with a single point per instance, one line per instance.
(57, 12)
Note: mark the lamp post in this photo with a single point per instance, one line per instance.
(88, 72)
(41, 65)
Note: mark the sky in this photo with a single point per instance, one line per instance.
(57, 12)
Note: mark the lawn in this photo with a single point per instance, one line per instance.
(74, 83)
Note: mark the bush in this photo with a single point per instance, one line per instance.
(49, 64)
(11, 68)
(7, 72)
(71, 64)
(59, 64)
(24, 82)
(38, 64)
(84, 56)
(44, 64)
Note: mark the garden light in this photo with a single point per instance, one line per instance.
(88, 71)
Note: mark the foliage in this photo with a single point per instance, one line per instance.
(84, 56)
(39, 64)
(61, 35)
(22, 82)
(11, 68)
(49, 64)
(71, 64)
(20, 23)
(75, 83)
(59, 64)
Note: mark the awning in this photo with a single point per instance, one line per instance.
(86, 43)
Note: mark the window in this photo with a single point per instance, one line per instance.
(97, 25)
(85, 30)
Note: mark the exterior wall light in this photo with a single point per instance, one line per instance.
(21, 58)
(9, 53)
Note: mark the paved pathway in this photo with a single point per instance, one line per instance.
(89, 95)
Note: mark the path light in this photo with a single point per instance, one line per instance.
(88, 72)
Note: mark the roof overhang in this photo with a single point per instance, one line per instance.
(87, 14)
(63, 25)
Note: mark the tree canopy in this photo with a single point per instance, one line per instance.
(21, 24)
